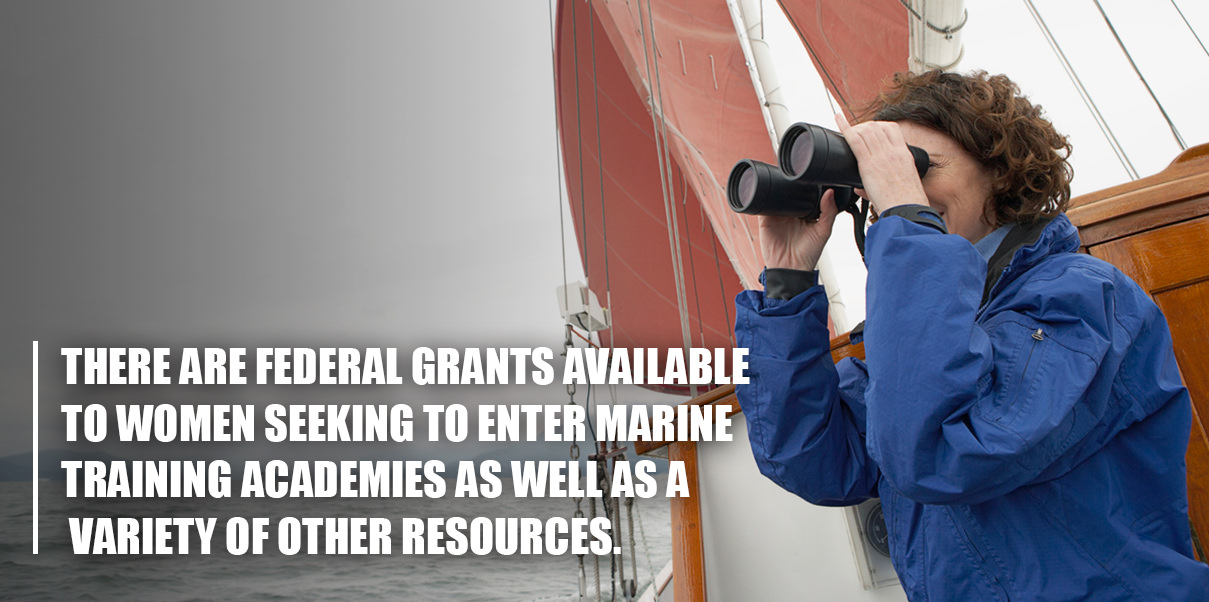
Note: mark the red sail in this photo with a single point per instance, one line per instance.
(855, 44)
(612, 60)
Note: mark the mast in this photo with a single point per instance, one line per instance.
(846, 296)
(935, 29)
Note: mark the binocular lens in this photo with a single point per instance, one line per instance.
(817, 154)
(742, 186)
(801, 151)
(746, 192)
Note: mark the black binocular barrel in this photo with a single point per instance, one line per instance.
(757, 188)
(815, 154)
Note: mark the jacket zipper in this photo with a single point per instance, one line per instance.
(1038, 336)
(977, 552)
(991, 295)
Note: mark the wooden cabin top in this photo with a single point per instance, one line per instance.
(1178, 193)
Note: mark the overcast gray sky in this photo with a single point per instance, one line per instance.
(1002, 37)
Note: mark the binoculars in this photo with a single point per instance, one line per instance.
(813, 160)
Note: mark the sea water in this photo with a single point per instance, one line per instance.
(58, 574)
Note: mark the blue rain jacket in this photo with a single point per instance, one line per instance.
(1027, 448)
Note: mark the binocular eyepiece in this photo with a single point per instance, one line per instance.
(813, 159)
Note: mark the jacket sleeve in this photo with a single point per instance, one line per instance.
(805, 418)
(961, 409)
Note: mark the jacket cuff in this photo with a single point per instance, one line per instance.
(786, 283)
(920, 214)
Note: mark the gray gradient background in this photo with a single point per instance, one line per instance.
(274, 173)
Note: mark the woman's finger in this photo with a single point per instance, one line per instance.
(854, 138)
(842, 122)
(827, 208)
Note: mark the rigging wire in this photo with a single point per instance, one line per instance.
(831, 101)
(592, 515)
(1189, 25)
(603, 483)
(583, 212)
(574, 450)
(558, 164)
(592, 501)
(813, 55)
(692, 268)
(629, 511)
(721, 285)
(666, 168)
(604, 228)
(1175, 132)
(646, 551)
(614, 573)
(588, 411)
(1078, 83)
(654, 111)
(663, 152)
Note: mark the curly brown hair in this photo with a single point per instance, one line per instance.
(989, 117)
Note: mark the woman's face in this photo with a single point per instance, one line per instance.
(957, 185)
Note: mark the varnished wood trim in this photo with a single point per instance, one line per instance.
(841, 348)
(1139, 200)
(721, 395)
(688, 549)
(1128, 225)
(1159, 261)
(1174, 194)
(712, 396)
(1193, 162)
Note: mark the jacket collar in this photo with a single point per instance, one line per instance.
(1027, 245)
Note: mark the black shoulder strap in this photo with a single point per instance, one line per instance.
(1021, 235)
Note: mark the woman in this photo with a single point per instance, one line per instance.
(1019, 412)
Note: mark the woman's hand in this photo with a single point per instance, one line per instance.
(791, 242)
(887, 166)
